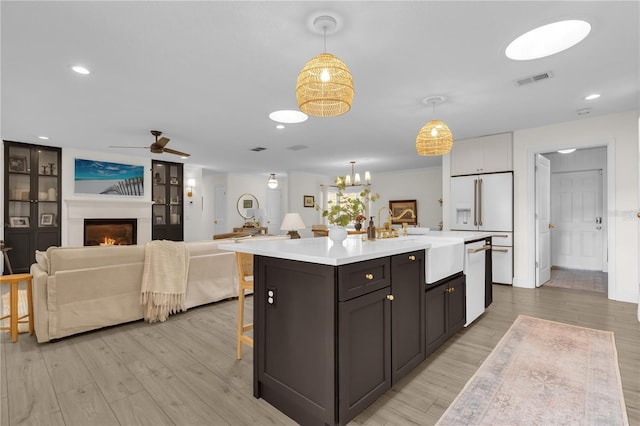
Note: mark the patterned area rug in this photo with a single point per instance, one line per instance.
(544, 373)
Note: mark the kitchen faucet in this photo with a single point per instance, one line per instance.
(387, 224)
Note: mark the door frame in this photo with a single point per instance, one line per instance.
(611, 203)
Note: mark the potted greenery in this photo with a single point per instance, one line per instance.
(348, 209)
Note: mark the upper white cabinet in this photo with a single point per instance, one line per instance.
(486, 154)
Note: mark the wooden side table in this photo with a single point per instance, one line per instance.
(14, 316)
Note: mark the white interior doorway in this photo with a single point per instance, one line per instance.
(593, 159)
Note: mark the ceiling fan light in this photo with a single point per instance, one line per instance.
(434, 138)
(325, 87)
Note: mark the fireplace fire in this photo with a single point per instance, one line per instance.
(110, 232)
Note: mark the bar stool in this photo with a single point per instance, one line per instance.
(13, 316)
(244, 262)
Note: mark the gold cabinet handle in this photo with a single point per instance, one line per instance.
(638, 214)
(476, 250)
(412, 257)
(389, 296)
(369, 276)
(551, 226)
(450, 290)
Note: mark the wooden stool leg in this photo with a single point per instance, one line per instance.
(240, 322)
(14, 311)
(30, 305)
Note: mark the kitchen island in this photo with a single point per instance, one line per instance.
(335, 325)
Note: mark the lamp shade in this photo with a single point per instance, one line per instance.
(325, 87)
(434, 138)
(292, 222)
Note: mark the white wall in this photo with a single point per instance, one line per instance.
(422, 185)
(299, 185)
(620, 131)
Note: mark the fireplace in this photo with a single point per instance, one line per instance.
(110, 232)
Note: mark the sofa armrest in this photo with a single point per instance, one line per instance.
(40, 312)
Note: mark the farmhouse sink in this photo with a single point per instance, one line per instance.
(444, 258)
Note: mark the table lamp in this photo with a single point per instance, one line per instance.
(292, 222)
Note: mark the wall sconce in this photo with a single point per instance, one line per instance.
(190, 184)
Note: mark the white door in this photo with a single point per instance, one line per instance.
(495, 202)
(463, 203)
(577, 215)
(220, 209)
(543, 220)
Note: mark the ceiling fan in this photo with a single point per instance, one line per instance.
(158, 147)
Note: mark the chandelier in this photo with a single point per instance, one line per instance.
(325, 86)
(434, 138)
(353, 178)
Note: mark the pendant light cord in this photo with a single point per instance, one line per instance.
(325, 38)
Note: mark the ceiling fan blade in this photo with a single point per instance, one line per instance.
(173, 151)
(162, 142)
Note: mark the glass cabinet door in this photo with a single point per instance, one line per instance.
(167, 197)
(48, 191)
(19, 179)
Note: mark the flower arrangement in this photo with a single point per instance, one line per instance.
(348, 209)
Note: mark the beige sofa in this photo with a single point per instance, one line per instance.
(77, 289)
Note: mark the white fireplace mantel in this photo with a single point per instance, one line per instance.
(79, 209)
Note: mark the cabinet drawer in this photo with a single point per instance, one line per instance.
(361, 278)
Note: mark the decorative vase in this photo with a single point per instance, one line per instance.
(358, 226)
(337, 234)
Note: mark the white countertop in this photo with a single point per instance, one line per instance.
(323, 251)
(464, 235)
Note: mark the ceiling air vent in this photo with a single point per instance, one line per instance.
(297, 147)
(533, 78)
(258, 149)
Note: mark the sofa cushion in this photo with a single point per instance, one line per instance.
(42, 259)
(70, 258)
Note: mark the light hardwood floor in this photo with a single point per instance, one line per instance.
(184, 371)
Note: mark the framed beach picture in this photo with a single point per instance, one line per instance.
(402, 211)
(105, 178)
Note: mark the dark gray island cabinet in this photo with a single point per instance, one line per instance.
(329, 339)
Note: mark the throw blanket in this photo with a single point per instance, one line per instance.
(164, 279)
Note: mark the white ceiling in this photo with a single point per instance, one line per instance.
(207, 74)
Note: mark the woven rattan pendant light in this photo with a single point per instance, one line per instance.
(434, 138)
(325, 86)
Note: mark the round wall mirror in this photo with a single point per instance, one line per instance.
(247, 203)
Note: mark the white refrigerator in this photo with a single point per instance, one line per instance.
(485, 203)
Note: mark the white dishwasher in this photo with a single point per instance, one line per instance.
(474, 269)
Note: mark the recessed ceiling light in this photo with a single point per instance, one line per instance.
(547, 40)
(592, 97)
(280, 126)
(566, 151)
(288, 116)
(80, 69)
(46, 138)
